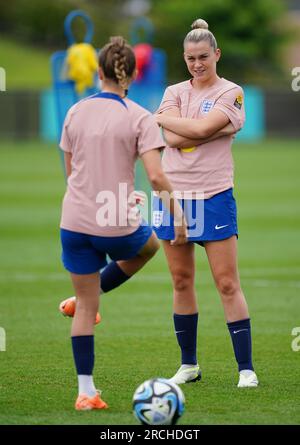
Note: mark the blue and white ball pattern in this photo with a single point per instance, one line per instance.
(158, 402)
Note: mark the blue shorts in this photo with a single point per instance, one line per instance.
(85, 254)
(212, 219)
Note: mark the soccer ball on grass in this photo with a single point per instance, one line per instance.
(158, 402)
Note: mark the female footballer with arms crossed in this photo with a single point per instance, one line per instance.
(102, 137)
(198, 117)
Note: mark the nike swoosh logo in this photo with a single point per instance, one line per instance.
(178, 332)
(240, 330)
(220, 227)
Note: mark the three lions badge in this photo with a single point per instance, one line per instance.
(206, 106)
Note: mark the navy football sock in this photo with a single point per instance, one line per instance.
(112, 276)
(83, 352)
(186, 332)
(240, 332)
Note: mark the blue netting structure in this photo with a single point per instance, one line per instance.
(65, 94)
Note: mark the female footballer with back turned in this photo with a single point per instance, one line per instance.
(102, 137)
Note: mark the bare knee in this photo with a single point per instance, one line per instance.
(154, 247)
(87, 304)
(228, 287)
(182, 280)
(151, 248)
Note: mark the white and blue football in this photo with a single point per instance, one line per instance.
(158, 402)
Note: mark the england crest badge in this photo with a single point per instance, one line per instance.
(157, 218)
(206, 106)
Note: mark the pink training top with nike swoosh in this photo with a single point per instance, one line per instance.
(209, 168)
(105, 136)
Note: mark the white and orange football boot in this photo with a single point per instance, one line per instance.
(68, 307)
(85, 403)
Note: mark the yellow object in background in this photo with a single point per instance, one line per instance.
(188, 150)
(82, 64)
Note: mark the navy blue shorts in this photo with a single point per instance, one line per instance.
(85, 254)
(212, 219)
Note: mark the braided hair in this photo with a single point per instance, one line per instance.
(117, 61)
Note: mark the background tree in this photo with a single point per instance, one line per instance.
(249, 33)
(40, 22)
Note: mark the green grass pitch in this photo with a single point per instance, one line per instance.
(135, 340)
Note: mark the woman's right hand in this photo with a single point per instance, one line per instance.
(181, 234)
